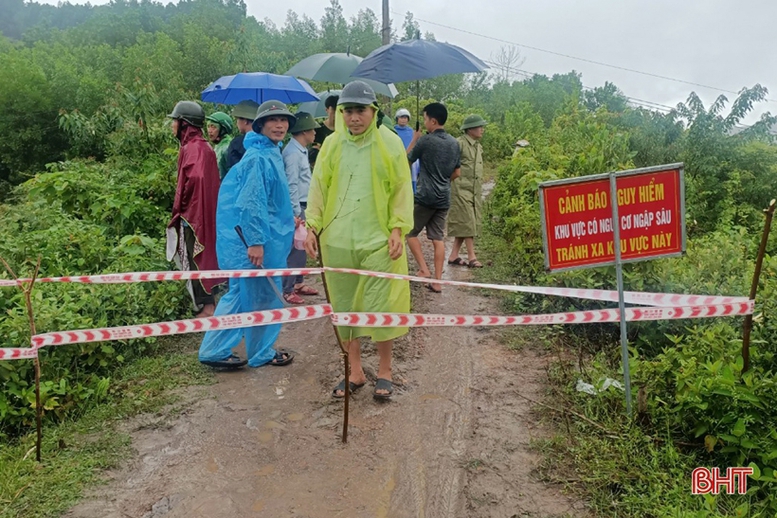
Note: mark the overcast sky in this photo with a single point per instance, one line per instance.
(724, 44)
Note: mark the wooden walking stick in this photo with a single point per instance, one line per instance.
(748, 324)
(27, 290)
(343, 349)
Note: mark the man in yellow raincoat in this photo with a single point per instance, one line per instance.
(360, 205)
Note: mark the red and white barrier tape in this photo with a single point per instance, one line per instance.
(631, 297)
(18, 353)
(664, 306)
(194, 325)
(124, 278)
(578, 317)
(366, 320)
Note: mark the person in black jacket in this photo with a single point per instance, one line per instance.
(245, 113)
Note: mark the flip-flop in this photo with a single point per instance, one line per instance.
(353, 387)
(429, 287)
(475, 264)
(458, 262)
(306, 290)
(279, 360)
(293, 298)
(383, 384)
(230, 362)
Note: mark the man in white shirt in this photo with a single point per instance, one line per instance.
(295, 160)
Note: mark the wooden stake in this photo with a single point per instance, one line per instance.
(748, 324)
(27, 290)
(343, 349)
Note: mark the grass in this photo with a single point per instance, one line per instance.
(616, 466)
(75, 453)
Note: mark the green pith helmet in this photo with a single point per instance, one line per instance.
(357, 93)
(222, 120)
(272, 109)
(245, 110)
(386, 121)
(304, 122)
(190, 112)
(473, 121)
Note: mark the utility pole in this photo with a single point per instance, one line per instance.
(386, 33)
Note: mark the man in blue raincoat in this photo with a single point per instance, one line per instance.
(255, 225)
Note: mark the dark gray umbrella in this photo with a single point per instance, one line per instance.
(414, 60)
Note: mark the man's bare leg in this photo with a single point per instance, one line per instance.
(457, 242)
(384, 365)
(470, 244)
(357, 375)
(439, 259)
(207, 311)
(415, 248)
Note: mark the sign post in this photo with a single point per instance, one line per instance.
(612, 219)
(621, 302)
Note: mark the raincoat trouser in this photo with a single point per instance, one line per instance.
(361, 190)
(254, 196)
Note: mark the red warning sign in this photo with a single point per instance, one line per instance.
(577, 217)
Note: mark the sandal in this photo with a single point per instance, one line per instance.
(458, 262)
(383, 384)
(293, 298)
(231, 362)
(475, 264)
(306, 290)
(430, 288)
(352, 387)
(279, 360)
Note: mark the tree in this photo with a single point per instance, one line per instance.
(334, 29)
(410, 27)
(365, 33)
(506, 63)
(29, 115)
(607, 96)
(713, 153)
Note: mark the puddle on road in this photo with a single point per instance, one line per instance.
(295, 417)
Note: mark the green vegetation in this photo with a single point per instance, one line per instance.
(87, 175)
(76, 452)
(695, 406)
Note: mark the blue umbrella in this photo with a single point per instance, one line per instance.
(414, 60)
(258, 87)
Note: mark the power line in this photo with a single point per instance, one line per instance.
(600, 63)
(528, 74)
(632, 100)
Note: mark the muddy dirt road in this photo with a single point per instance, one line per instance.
(454, 442)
